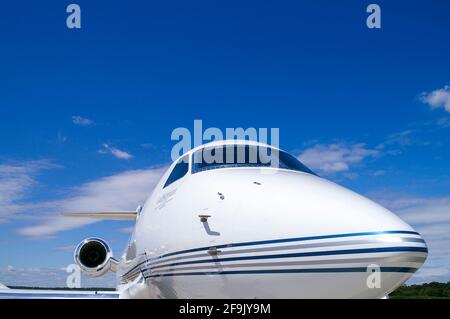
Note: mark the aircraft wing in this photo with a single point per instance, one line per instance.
(7, 293)
(130, 215)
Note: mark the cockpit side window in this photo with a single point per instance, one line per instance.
(287, 161)
(179, 170)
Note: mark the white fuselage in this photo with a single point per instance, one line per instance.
(272, 233)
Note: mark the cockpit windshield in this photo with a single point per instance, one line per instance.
(227, 156)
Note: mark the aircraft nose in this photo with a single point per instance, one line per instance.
(369, 236)
(308, 228)
(347, 232)
(392, 243)
(398, 251)
(396, 256)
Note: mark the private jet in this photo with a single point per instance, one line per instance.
(224, 222)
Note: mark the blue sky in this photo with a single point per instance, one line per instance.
(86, 115)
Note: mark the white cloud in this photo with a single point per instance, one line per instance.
(50, 278)
(123, 191)
(431, 273)
(429, 211)
(16, 180)
(437, 98)
(337, 157)
(431, 218)
(107, 149)
(78, 120)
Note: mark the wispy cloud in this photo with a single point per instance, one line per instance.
(431, 217)
(443, 122)
(402, 138)
(337, 157)
(437, 98)
(78, 120)
(67, 248)
(379, 172)
(148, 146)
(107, 149)
(50, 278)
(16, 180)
(123, 191)
(61, 137)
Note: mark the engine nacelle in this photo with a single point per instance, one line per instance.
(94, 257)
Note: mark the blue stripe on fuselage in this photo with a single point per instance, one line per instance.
(275, 241)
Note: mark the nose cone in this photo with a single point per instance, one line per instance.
(359, 230)
(312, 204)
(337, 231)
